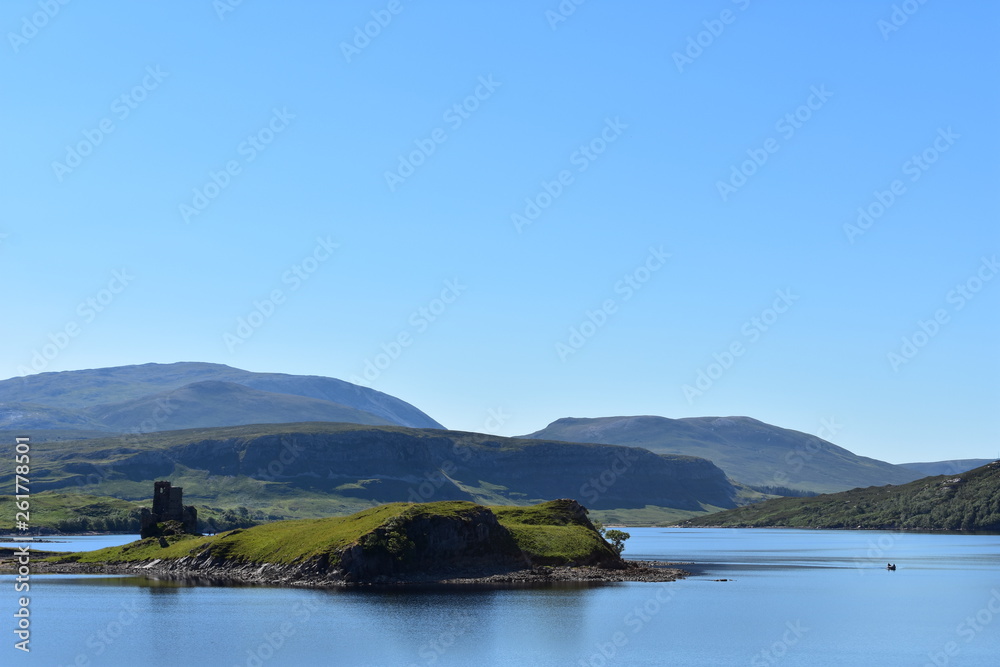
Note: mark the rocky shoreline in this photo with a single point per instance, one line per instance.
(297, 576)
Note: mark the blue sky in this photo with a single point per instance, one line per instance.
(507, 218)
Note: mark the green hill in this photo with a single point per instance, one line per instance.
(970, 501)
(281, 471)
(452, 537)
(763, 456)
(130, 398)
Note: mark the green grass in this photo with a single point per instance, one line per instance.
(549, 533)
(650, 515)
(278, 542)
(54, 509)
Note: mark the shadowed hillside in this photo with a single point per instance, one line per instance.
(758, 454)
(320, 469)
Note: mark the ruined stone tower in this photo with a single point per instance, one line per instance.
(167, 506)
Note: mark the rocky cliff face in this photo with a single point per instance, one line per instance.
(398, 463)
(435, 546)
(362, 465)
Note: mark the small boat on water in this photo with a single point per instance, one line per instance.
(890, 566)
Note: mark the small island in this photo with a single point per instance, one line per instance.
(452, 542)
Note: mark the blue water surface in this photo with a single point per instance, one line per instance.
(792, 597)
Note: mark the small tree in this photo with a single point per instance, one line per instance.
(617, 539)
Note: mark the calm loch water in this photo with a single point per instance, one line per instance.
(793, 598)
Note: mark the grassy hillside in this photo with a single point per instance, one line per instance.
(970, 501)
(278, 542)
(750, 451)
(284, 471)
(549, 533)
(75, 513)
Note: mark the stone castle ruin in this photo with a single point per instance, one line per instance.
(167, 507)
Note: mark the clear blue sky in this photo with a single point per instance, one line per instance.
(634, 229)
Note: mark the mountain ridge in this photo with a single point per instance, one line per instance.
(76, 395)
(751, 451)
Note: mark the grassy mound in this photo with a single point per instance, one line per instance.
(552, 533)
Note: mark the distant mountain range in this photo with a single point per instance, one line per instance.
(953, 467)
(970, 501)
(763, 456)
(218, 432)
(160, 397)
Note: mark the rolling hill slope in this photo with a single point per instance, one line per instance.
(970, 501)
(750, 451)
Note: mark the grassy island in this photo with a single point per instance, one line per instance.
(394, 543)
